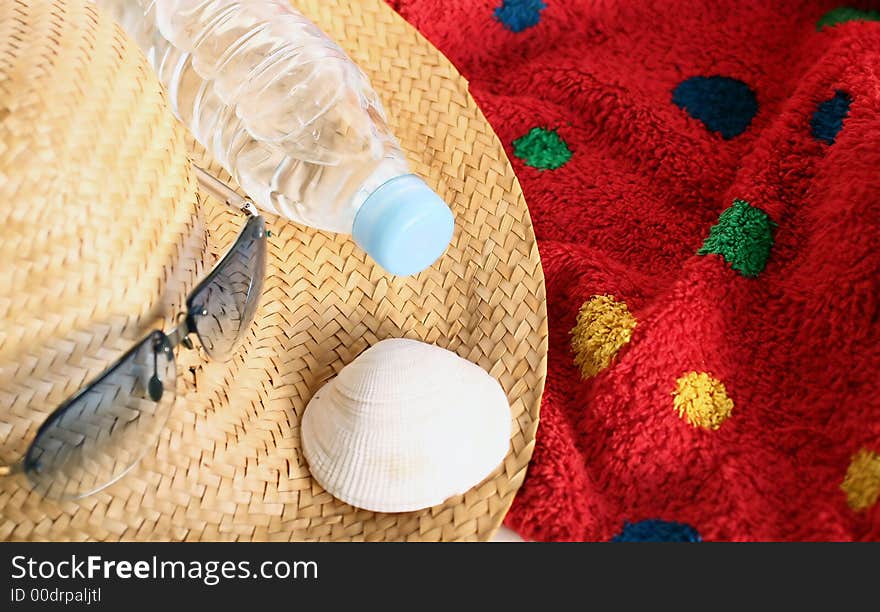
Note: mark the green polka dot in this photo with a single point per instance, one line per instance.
(843, 14)
(542, 149)
(743, 236)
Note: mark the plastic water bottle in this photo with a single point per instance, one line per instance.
(293, 119)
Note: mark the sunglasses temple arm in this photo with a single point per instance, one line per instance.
(224, 192)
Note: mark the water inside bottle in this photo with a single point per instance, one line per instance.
(278, 104)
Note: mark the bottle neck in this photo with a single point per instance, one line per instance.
(390, 167)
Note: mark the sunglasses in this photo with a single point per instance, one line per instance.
(92, 439)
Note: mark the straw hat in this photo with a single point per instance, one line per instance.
(103, 235)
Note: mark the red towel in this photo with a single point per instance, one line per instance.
(704, 182)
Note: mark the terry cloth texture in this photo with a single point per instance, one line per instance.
(704, 183)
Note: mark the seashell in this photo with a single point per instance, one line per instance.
(405, 426)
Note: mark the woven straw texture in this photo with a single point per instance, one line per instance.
(105, 236)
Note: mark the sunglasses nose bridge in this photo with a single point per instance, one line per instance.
(180, 334)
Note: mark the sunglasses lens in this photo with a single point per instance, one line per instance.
(223, 308)
(96, 437)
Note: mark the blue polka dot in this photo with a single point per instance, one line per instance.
(828, 119)
(517, 15)
(654, 530)
(724, 105)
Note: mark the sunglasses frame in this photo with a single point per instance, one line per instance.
(163, 341)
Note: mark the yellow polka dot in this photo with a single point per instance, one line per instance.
(702, 400)
(862, 482)
(603, 326)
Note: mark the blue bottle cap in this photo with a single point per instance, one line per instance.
(403, 225)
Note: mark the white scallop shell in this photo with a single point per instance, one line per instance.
(405, 426)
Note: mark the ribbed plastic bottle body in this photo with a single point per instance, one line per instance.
(273, 99)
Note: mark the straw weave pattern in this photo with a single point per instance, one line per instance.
(228, 465)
